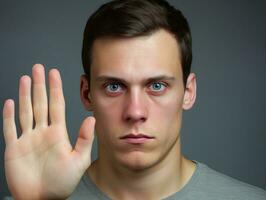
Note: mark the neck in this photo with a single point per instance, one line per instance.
(164, 178)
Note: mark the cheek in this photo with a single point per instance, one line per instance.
(105, 108)
(107, 114)
(167, 115)
(168, 106)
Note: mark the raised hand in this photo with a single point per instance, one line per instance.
(41, 163)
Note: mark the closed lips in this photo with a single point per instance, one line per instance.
(136, 136)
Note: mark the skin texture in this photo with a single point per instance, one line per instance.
(130, 102)
(42, 158)
(152, 170)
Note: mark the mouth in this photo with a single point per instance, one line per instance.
(136, 138)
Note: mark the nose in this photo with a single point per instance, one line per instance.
(135, 110)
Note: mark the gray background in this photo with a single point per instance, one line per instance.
(226, 128)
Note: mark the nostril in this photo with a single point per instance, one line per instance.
(143, 119)
(135, 119)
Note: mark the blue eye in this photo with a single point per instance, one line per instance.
(113, 87)
(157, 86)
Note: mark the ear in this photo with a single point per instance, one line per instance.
(85, 93)
(190, 92)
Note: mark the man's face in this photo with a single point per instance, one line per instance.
(137, 88)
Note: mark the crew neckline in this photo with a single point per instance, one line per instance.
(179, 194)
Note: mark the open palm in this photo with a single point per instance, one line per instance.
(41, 163)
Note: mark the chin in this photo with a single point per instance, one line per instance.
(138, 161)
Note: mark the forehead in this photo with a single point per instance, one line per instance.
(137, 58)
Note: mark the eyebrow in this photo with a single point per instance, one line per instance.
(151, 79)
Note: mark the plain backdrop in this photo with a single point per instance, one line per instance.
(225, 129)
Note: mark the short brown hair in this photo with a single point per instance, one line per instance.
(133, 18)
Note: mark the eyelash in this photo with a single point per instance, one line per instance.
(112, 83)
(165, 85)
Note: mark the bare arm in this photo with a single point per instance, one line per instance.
(41, 163)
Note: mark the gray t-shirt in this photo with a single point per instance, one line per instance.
(205, 184)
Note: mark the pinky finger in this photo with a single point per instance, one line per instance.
(9, 126)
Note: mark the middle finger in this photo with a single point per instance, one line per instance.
(40, 106)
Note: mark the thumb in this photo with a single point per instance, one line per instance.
(85, 138)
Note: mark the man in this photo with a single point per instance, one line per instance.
(137, 58)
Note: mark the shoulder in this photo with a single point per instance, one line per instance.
(217, 183)
(86, 189)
